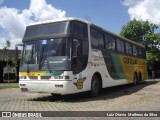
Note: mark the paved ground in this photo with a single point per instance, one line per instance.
(144, 97)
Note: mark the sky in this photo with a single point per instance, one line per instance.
(15, 15)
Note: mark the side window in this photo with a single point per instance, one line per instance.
(80, 29)
(120, 45)
(135, 50)
(128, 48)
(109, 42)
(77, 64)
(141, 52)
(79, 55)
(101, 41)
(96, 38)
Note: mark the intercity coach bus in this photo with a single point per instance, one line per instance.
(72, 55)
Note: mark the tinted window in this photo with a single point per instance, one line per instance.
(141, 52)
(80, 29)
(96, 38)
(80, 55)
(135, 51)
(55, 54)
(47, 29)
(120, 45)
(109, 42)
(101, 41)
(128, 48)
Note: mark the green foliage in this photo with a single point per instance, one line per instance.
(143, 32)
(12, 60)
(6, 57)
(138, 30)
(151, 57)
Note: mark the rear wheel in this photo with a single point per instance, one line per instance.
(95, 86)
(140, 77)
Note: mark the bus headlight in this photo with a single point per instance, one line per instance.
(61, 77)
(67, 77)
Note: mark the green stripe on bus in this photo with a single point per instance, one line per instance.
(118, 66)
(54, 73)
(113, 65)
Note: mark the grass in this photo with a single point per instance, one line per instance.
(8, 86)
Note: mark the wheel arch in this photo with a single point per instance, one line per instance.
(99, 77)
(140, 76)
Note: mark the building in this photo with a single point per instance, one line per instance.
(8, 74)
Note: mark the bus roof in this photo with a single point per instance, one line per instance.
(87, 22)
(59, 20)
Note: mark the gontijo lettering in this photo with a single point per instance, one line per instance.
(129, 60)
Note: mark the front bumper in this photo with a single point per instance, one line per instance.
(58, 87)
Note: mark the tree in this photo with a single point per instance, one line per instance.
(10, 62)
(5, 55)
(143, 32)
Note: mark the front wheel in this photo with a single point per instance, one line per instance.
(95, 87)
(55, 95)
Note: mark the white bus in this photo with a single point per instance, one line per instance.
(72, 55)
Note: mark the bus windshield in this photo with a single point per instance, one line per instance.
(41, 31)
(48, 54)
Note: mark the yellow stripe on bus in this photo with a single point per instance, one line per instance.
(37, 73)
(132, 65)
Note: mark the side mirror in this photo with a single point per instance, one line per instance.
(18, 48)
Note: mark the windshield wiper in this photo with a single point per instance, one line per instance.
(48, 67)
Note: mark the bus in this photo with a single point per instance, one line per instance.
(72, 55)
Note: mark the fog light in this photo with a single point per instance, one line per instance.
(59, 86)
(66, 77)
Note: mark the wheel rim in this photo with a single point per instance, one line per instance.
(95, 87)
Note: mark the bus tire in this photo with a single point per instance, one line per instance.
(55, 95)
(140, 77)
(136, 80)
(95, 86)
